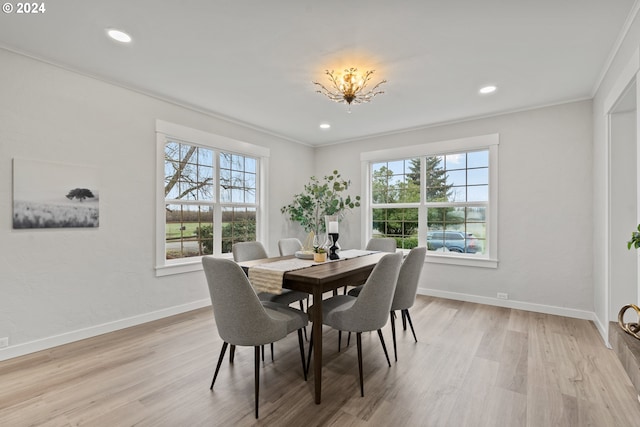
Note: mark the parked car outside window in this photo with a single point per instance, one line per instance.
(453, 241)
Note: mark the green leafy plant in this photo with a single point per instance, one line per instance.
(319, 250)
(318, 199)
(635, 239)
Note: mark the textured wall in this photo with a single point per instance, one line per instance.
(545, 208)
(60, 285)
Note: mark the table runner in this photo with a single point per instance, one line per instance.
(268, 277)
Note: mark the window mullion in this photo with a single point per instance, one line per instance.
(217, 210)
(422, 210)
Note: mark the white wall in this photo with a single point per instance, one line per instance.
(545, 208)
(620, 72)
(66, 284)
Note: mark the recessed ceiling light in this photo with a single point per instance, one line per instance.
(120, 36)
(488, 89)
(325, 126)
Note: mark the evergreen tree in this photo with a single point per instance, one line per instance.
(403, 223)
(437, 188)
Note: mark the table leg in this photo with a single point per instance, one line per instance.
(317, 343)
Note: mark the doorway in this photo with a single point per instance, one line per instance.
(623, 203)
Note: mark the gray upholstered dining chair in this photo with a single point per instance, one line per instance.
(247, 251)
(243, 320)
(405, 294)
(382, 244)
(368, 312)
(406, 290)
(289, 246)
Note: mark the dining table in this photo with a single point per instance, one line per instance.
(317, 279)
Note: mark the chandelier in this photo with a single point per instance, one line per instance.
(350, 87)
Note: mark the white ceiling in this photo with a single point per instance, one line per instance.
(254, 61)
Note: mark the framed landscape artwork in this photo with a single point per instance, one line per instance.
(54, 195)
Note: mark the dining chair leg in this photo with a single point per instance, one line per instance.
(384, 347)
(262, 347)
(304, 368)
(359, 344)
(232, 353)
(310, 351)
(406, 313)
(302, 309)
(404, 320)
(222, 351)
(393, 334)
(339, 340)
(257, 376)
(348, 339)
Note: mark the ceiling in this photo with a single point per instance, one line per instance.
(254, 62)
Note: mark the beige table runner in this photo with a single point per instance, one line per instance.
(268, 277)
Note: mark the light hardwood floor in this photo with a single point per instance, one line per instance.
(474, 365)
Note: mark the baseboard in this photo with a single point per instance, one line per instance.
(68, 337)
(80, 334)
(603, 330)
(527, 306)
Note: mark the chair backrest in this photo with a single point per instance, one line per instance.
(289, 246)
(246, 251)
(240, 317)
(408, 279)
(370, 311)
(382, 244)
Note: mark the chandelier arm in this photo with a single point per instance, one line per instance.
(330, 95)
(333, 79)
(365, 79)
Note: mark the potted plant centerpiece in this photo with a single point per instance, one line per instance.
(319, 199)
(319, 254)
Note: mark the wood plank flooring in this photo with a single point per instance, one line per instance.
(474, 365)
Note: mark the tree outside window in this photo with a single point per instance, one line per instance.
(201, 184)
(455, 195)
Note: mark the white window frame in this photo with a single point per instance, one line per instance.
(489, 142)
(170, 131)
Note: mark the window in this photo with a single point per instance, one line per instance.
(457, 197)
(395, 200)
(441, 195)
(211, 196)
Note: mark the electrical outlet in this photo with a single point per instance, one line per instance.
(4, 342)
(503, 295)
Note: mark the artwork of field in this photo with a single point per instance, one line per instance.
(54, 195)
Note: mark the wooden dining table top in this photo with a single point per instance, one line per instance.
(326, 276)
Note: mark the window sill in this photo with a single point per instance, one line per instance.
(180, 266)
(461, 260)
(183, 267)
